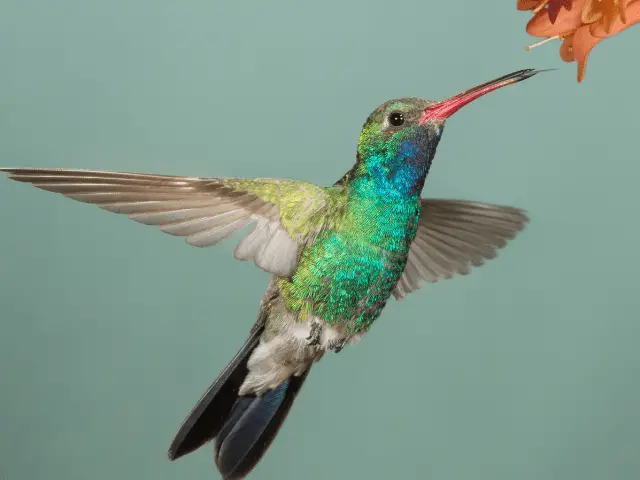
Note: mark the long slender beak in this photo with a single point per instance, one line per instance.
(444, 109)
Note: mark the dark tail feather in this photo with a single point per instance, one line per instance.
(252, 426)
(243, 427)
(208, 416)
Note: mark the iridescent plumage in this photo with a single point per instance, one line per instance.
(336, 253)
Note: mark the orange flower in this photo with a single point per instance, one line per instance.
(594, 11)
(581, 24)
(553, 6)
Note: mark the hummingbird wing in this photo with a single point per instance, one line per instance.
(205, 211)
(453, 236)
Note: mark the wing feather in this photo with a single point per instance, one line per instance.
(205, 211)
(453, 236)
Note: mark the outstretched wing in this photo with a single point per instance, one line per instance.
(205, 211)
(453, 236)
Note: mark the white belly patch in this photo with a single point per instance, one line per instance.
(288, 353)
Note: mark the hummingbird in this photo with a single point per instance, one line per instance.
(336, 254)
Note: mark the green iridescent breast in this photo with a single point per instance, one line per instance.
(348, 273)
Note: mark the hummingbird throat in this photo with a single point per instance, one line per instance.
(400, 169)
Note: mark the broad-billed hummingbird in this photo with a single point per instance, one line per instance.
(336, 253)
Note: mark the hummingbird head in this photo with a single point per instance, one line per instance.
(399, 139)
(395, 132)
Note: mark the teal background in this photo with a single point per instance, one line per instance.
(527, 369)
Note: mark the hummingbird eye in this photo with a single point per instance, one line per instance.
(396, 119)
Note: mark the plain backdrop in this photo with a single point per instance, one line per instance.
(110, 331)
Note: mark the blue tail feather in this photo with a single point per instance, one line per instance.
(209, 415)
(251, 427)
(238, 439)
(243, 427)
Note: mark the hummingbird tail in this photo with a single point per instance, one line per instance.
(251, 426)
(243, 426)
(208, 416)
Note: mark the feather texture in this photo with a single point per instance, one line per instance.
(453, 236)
(208, 416)
(251, 427)
(205, 211)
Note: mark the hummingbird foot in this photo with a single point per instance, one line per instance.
(315, 334)
(337, 345)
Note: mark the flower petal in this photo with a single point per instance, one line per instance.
(554, 7)
(604, 11)
(589, 36)
(566, 22)
(632, 16)
(530, 4)
(566, 50)
(583, 43)
(590, 12)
